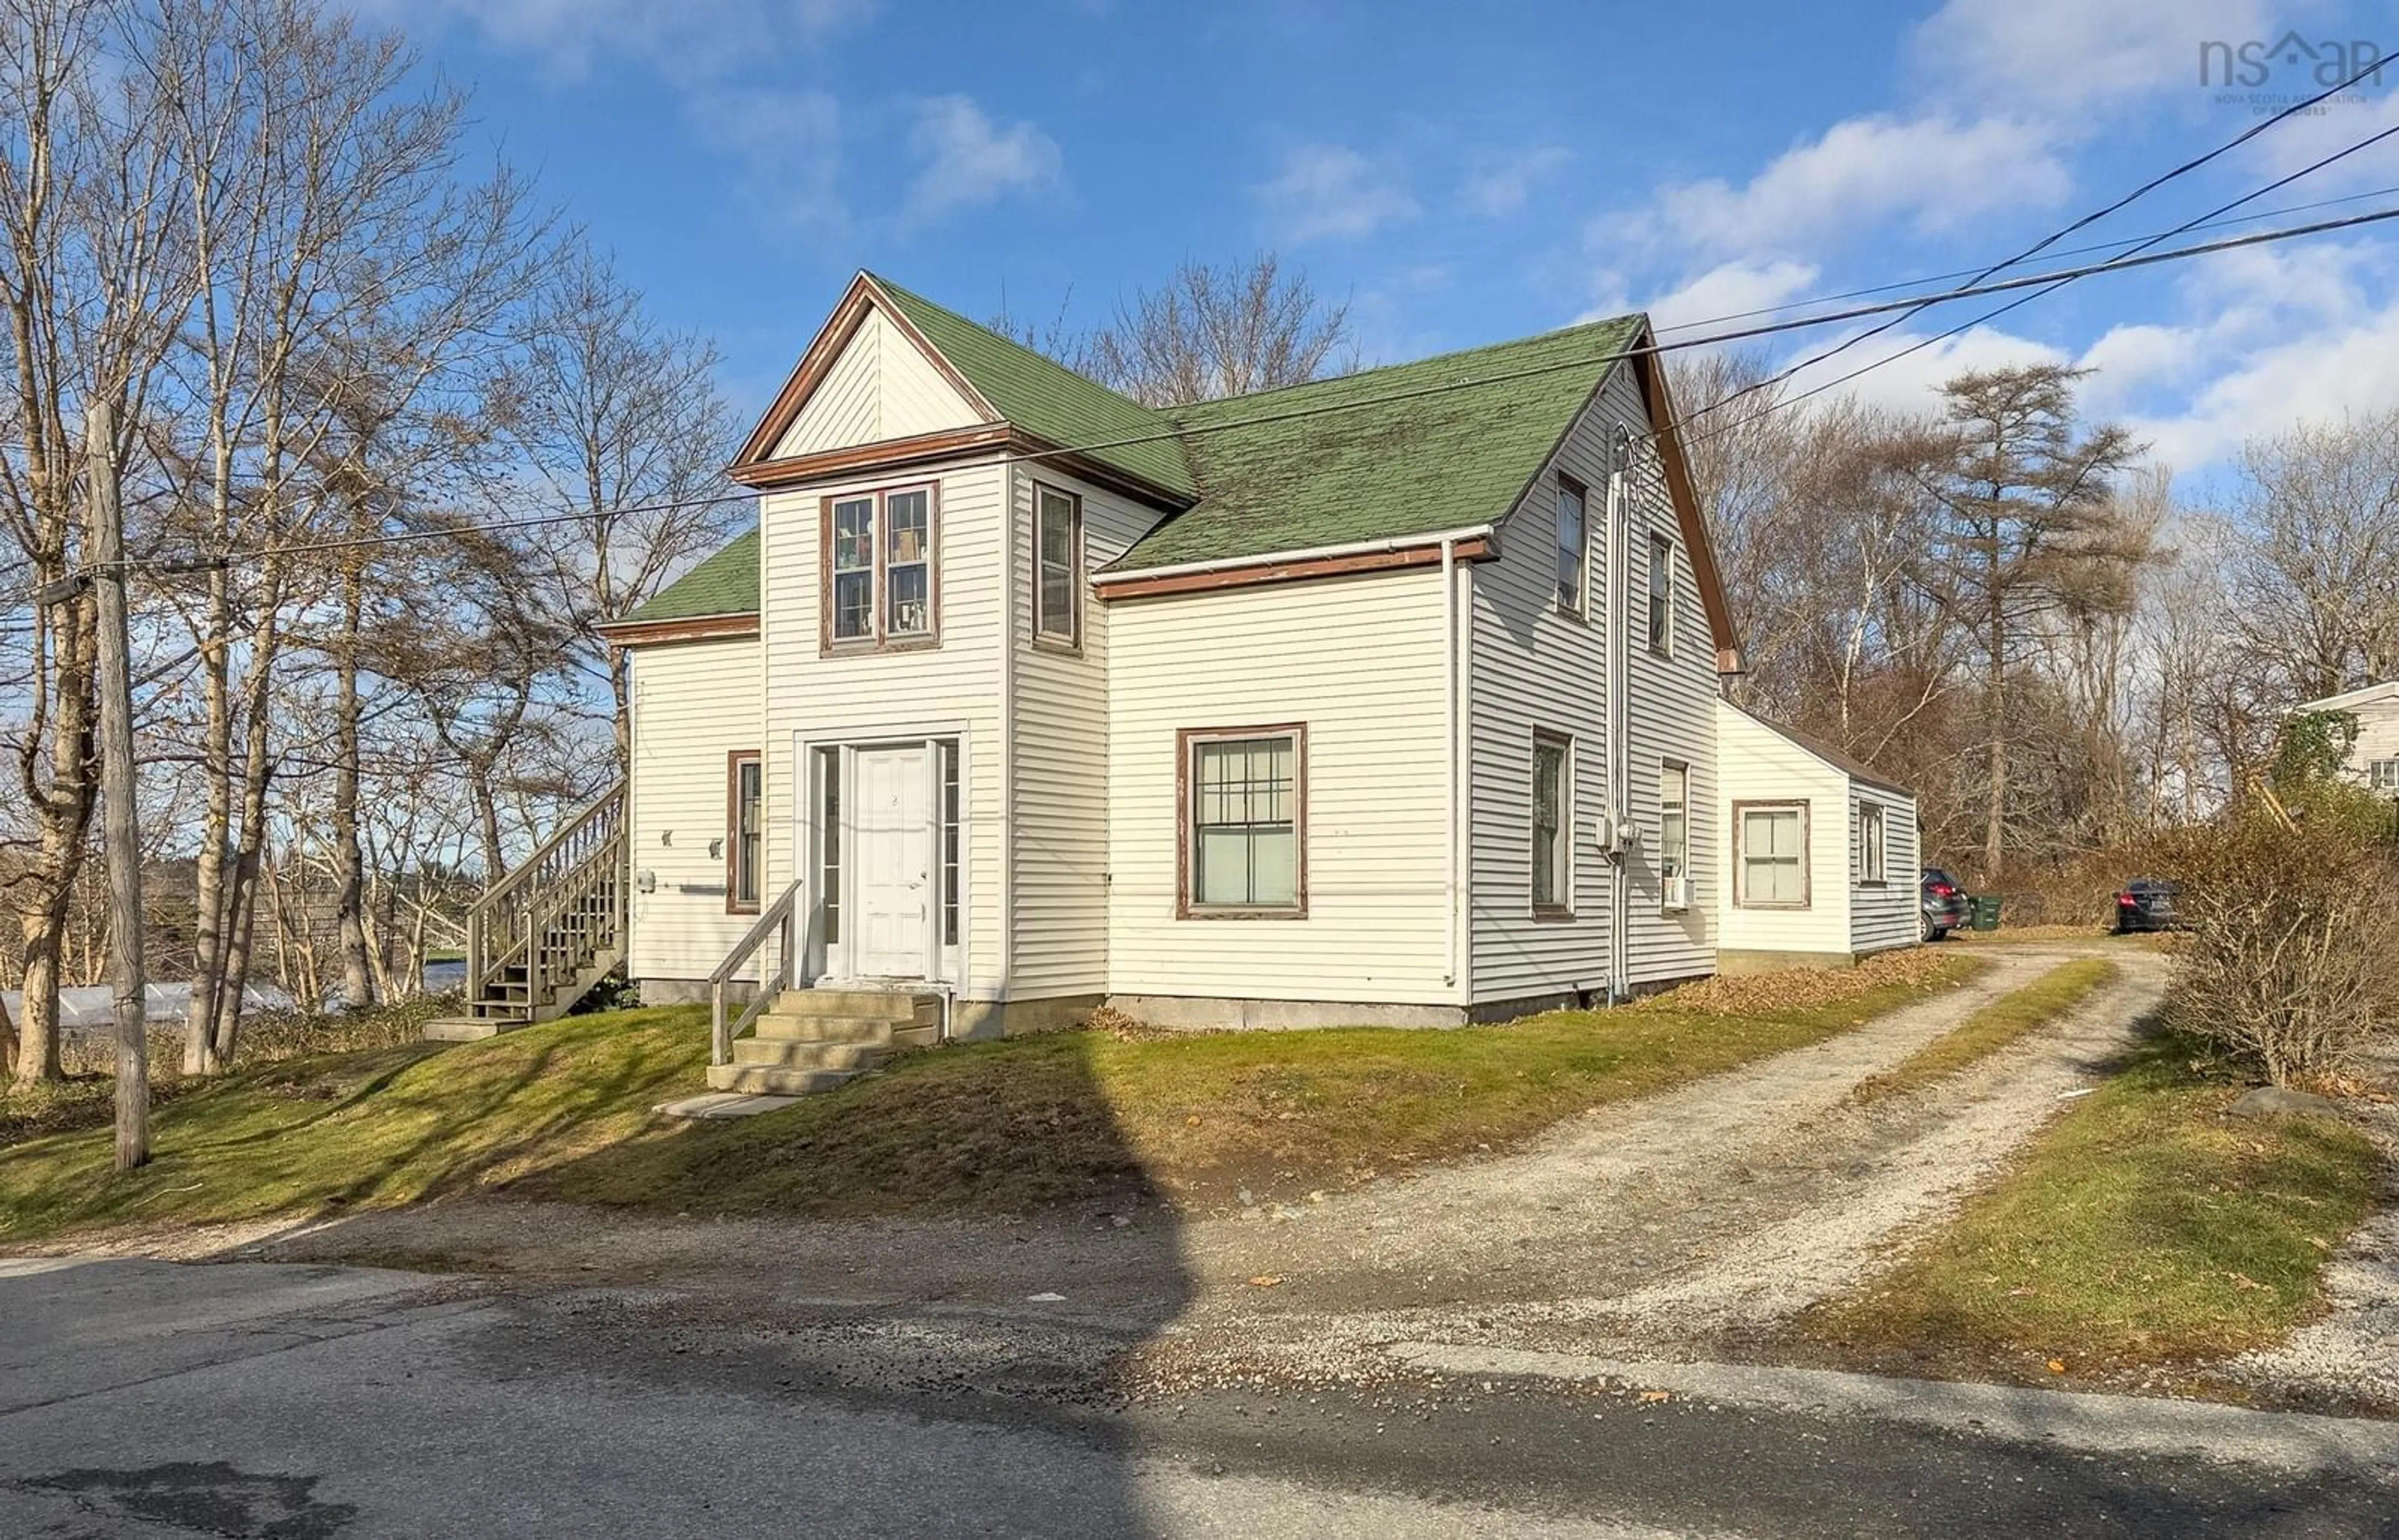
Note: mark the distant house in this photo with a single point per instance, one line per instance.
(2374, 757)
(1387, 698)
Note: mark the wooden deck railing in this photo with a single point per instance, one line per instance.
(542, 923)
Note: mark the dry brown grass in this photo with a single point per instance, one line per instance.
(1924, 969)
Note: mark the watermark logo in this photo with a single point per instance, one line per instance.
(2271, 74)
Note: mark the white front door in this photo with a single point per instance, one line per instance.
(893, 830)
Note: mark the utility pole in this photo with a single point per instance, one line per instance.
(119, 832)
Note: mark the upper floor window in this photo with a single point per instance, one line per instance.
(881, 581)
(1057, 565)
(1572, 539)
(1662, 594)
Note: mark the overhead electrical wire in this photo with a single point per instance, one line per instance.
(1921, 344)
(2047, 241)
(2053, 276)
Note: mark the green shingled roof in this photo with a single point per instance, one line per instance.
(1046, 399)
(1380, 454)
(725, 584)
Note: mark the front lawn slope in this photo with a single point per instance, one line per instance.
(564, 1113)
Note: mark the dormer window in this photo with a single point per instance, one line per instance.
(882, 580)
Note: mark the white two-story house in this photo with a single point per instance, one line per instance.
(1390, 699)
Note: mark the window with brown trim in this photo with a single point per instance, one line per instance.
(1770, 855)
(1574, 539)
(1553, 826)
(881, 585)
(1057, 566)
(1243, 851)
(744, 790)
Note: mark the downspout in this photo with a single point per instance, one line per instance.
(1619, 611)
(1449, 715)
(1007, 750)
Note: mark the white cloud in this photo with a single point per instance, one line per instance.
(1907, 377)
(2080, 59)
(1502, 189)
(968, 160)
(687, 41)
(1935, 172)
(1733, 289)
(1331, 190)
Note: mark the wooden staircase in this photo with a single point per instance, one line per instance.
(814, 1039)
(541, 936)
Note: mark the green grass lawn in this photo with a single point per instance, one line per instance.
(2005, 1019)
(2143, 1228)
(564, 1112)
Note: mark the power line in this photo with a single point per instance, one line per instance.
(1938, 337)
(2049, 241)
(2128, 241)
(2056, 276)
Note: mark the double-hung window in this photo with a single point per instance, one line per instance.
(743, 781)
(1662, 595)
(1873, 857)
(1057, 566)
(1552, 828)
(2383, 776)
(881, 581)
(1673, 829)
(1244, 822)
(1772, 855)
(1573, 544)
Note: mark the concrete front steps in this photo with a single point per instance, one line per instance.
(815, 1039)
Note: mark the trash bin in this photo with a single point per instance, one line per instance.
(1986, 912)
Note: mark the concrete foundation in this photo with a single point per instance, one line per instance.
(981, 1020)
(690, 991)
(1736, 962)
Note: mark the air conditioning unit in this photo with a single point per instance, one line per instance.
(1678, 894)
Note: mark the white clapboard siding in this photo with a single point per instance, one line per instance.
(1534, 670)
(1886, 915)
(881, 386)
(1755, 764)
(1061, 759)
(695, 703)
(1359, 660)
(857, 696)
(2377, 735)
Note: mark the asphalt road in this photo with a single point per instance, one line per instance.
(142, 1398)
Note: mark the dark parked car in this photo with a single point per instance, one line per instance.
(1945, 905)
(2146, 904)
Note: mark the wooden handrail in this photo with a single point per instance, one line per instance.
(779, 917)
(583, 863)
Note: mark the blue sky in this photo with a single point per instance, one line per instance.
(1462, 175)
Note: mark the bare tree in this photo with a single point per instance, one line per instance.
(1207, 331)
(90, 273)
(2317, 569)
(615, 416)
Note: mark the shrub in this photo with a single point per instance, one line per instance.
(2292, 961)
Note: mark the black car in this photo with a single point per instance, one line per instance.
(1945, 907)
(2146, 904)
